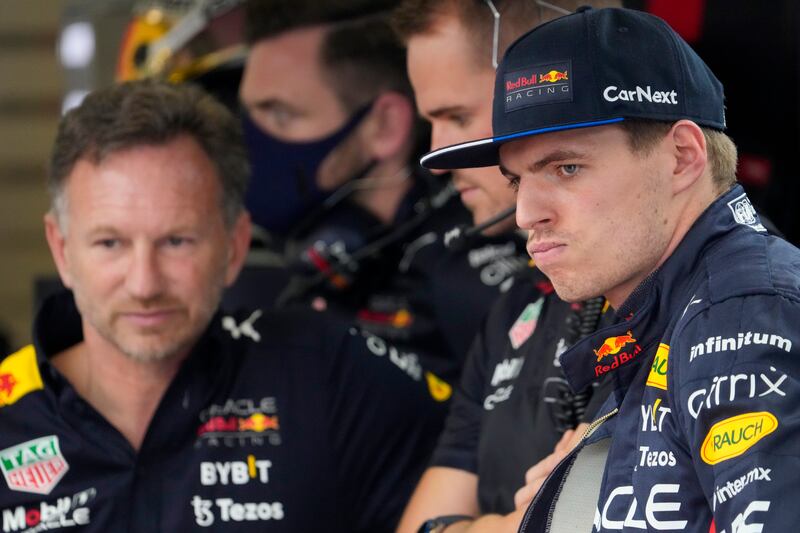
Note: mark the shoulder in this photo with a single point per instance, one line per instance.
(744, 307)
(299, 328)
(747, 262)
(19, 377)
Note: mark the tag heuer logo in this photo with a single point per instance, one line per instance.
(525, 325)
(35, 466)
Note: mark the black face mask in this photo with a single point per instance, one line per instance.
(283, 188)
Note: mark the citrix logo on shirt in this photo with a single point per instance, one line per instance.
(728, 389)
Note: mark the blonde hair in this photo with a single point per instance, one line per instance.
(643, 135)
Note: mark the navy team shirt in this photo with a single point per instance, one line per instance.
(283, 422)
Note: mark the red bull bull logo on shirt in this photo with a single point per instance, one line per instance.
(614, 346)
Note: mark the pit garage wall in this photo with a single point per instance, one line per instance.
(33, 85)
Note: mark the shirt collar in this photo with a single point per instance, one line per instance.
(643, 318)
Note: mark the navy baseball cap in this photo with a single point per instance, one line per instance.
(590, 68)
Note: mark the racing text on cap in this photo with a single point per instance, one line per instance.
(544, 84)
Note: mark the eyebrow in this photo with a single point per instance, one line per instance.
(268, 103)
(557, 155)
(445, 110)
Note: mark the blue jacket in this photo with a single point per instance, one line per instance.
(702, 431)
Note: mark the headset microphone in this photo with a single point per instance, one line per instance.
(459, 236)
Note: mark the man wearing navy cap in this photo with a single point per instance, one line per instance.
(610, 127)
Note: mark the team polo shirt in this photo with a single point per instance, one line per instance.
(282, 422)
(514, 403)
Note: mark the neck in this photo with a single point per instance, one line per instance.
(383, 190)
(691, 203)
(125, 391)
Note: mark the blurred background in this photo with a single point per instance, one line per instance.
(52, 52)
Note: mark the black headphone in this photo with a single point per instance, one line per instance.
(569, 408)
(458, 237)
(334, 258)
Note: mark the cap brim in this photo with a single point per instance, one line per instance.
(472, 154)
(486, 152)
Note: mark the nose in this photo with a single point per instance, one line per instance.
(534, 207)
(144, 279)
(439, 139)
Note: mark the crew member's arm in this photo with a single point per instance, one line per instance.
(450, 484)
(441, 491)
(534, 478)
(735, 370)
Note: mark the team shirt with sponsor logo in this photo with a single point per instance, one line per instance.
(702, 431)
(277, 422)
(513, 402)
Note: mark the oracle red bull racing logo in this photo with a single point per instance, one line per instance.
(257, 423)
(239, 422)
(618, 347)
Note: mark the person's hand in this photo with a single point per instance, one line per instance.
(536, 474)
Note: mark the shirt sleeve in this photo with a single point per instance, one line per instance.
(735, 367)
(384, 417)
(458, 444)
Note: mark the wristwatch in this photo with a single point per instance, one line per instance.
(437, 525)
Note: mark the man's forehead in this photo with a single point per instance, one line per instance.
(443, 78)
(277, 64)
(579, 142)
(178, 171)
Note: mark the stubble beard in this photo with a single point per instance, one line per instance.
(154, 346)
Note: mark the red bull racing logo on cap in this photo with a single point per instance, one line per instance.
(544, 84)
(553, 76)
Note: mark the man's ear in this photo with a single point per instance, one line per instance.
(57, 242)
(689, 154)
(240, 236)
(390, 126)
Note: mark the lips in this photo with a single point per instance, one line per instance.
(545, 252)
(148, 319)
(542, 247)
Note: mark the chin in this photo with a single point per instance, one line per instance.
(570, 291)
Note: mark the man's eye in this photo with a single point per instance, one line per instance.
(513, 184)
(176, 241)
(108, 244)
(569, 170)
(459, 120)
